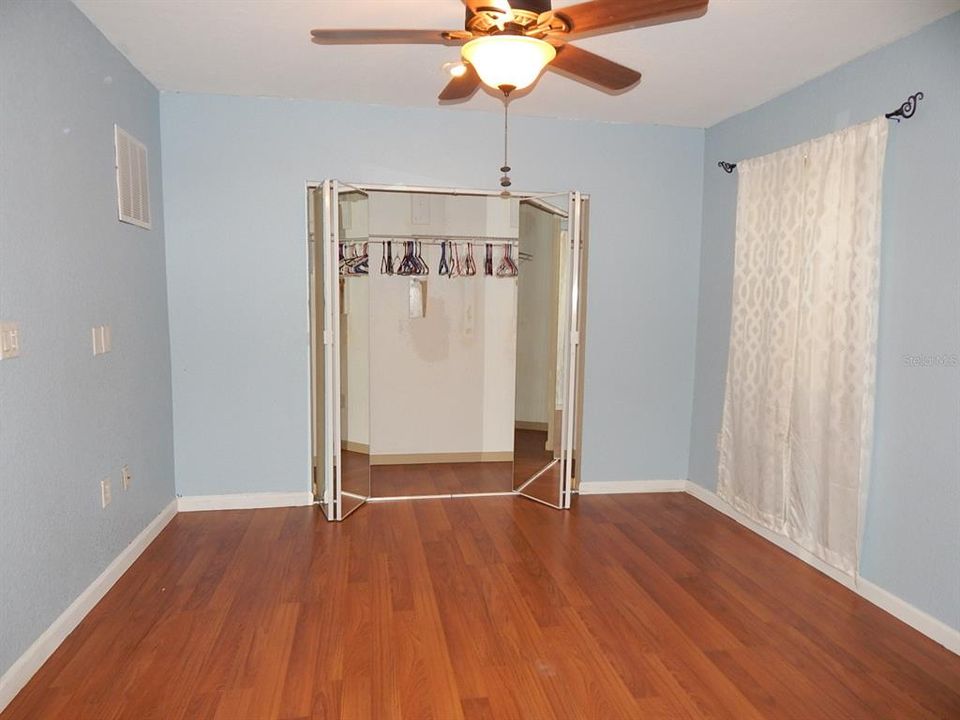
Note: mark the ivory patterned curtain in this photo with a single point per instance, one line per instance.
(795, 440)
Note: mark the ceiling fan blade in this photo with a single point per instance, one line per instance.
(606, 16)
(388, 37)
(463, 87)
(593, 69)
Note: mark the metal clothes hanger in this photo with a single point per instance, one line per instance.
(457, 267)
(507, 267)
(469, 264)
(422, 267)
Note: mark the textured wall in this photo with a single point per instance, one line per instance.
(67, 419)
(234, 174)
(912, 541)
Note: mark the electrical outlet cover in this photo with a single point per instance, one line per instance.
(105, 495)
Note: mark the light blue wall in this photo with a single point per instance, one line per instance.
(912, 541)
(234, 175)
(68, 419)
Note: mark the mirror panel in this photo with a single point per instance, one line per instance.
(541, 340)
(354, 357)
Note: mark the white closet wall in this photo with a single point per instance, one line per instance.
(443, 383)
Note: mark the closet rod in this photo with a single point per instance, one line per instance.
(904, 112)
(435, 239)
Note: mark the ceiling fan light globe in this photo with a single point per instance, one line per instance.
(513, 61)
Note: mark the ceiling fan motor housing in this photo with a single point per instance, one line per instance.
(537, 6)
(527, 11)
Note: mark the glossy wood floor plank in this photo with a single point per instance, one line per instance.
(648, 606)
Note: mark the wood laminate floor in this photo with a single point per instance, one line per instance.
(644, 606)
(440, 478)
(459, 478)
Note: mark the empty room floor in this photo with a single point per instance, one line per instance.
(643, 606)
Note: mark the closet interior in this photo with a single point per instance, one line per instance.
(445, 347)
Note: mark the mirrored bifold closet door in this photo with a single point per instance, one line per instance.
(549, 237)
(548, 347)
(339, 366)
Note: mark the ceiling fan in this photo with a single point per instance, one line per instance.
(506, 44)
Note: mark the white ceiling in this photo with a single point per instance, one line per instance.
(696, 73)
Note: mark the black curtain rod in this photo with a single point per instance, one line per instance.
(905, 111)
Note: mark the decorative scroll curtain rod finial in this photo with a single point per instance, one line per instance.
(906, 110)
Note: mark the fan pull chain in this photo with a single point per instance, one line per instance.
(505, 181)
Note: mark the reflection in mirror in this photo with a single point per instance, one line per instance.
(354, 289)
(540, 344)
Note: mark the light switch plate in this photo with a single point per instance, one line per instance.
(9, 340)
(126, 477)
(102, 339)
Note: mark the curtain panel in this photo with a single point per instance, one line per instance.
(795, 441)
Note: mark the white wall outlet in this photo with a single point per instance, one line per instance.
(126, 477)
(9, 340)
(105, 495)
(102, 339)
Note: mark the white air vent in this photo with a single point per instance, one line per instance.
(133, 190)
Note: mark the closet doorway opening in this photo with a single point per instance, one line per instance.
(445, 343)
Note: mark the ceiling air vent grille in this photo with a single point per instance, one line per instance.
(133, 190)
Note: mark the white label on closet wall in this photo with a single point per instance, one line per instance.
(418, 298)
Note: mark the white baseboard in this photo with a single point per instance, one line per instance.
(243, 501)
(930, 626)
(914, 617)
(36, 655)
(617, 487)
(781, 541)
